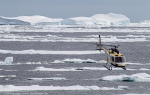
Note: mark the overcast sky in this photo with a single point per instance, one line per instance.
(135, 10)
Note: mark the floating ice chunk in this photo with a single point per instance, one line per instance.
(113, 37)
(49, 52)
(134, 63)
(53, 78)
(78, 61)
(123, 87)
(8, 60)
(75, 60)
(54, 69)
(144, 69)
(139, 77)
(8, 76)
(37, 87)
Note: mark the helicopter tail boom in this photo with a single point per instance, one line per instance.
(100, 40)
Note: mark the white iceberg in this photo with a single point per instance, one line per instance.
(39, 20)
(78, 21)
(11, 21)
(111, 19)
(97, 19)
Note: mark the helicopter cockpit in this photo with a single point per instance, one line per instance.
(118, 59)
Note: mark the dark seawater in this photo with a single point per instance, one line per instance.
(135, 52)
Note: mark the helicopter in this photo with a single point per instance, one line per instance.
(114, 57)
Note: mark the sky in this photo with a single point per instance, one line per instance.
(135, 10)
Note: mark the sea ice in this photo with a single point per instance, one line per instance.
(54, 69)
(75, 61)
(49, 52)
(7, 61)
(138, 77)
(37, 87)
(53, 78)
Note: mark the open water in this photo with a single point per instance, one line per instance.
(135, 52)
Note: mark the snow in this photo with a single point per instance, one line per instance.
(138, 77)
(37, 87)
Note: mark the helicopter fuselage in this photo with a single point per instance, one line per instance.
(114, 57)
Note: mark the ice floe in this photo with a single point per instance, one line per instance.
(66, 28)
(75, 60)
(7, 76)
(52, 78)
(37, 87)
(7, 61)
(73, 69)
(139, 77)
(49, 52)
(55, 69)
(59, 38)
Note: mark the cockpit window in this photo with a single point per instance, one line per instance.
(119, 59)
(112, 58)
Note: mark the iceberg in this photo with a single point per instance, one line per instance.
(78, 21)
(97, 19)
(39, 20)
(111, 19)
(9, 21)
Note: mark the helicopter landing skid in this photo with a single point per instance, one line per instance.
(109, 68)
(124, 68)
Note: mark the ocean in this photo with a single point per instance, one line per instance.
(66, 63)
